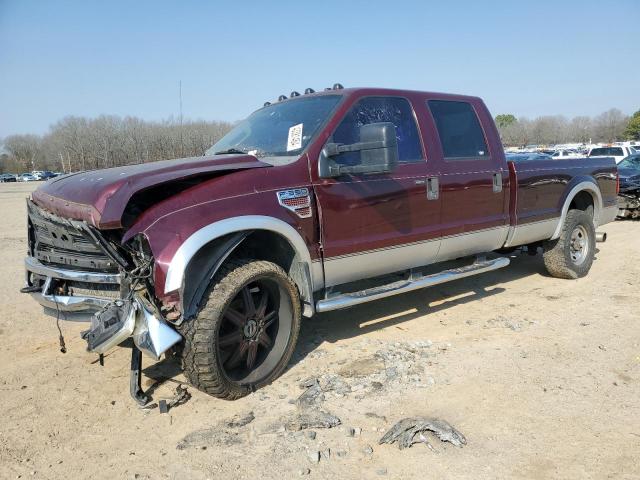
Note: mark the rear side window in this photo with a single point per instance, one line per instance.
(368, 110)
(604, 151)
(459, 130)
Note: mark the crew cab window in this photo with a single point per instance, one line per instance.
(604, 151)
(459, 130)
(368, 110)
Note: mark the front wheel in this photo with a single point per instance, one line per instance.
(244, 335)
(571, 255)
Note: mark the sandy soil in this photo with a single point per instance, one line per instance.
(541, 375)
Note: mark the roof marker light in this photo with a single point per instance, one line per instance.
(282, 97)
(307, 91)
(294, 94)
(337, 86)
(266, 104)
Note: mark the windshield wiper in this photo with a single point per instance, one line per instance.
(230, 151)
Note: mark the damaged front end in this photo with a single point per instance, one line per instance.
(629, 203)
(77, 273)
(134, 318)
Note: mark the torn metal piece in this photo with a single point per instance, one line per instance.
(409, 431)
(181, 396)
(111, 326)
(152, 334)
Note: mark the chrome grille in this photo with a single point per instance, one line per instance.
(53, 241)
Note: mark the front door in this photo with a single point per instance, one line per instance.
(378, 223)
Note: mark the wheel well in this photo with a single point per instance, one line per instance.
(269, 246)
(256, 245)
(273, 247)
(582, 201)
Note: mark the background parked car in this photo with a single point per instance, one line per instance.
(629, 195)
(27, 177)
(46, 175)
(565, 153)
(8, 177)
(629, 172)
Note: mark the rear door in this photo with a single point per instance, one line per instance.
(378, 223)
(474, 180)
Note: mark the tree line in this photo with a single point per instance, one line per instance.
(608, 127)
(79, 143)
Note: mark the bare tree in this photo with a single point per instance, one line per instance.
(609, 126)
(25, 150)
(550, 130)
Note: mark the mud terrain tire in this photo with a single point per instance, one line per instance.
(220, 317)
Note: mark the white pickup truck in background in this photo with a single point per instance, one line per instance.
(617, 152)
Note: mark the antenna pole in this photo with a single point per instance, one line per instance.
(181, 139)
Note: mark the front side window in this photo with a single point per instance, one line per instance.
(459, 130)
(368, 110)
(278, 133)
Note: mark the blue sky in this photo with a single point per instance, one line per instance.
(61, 58)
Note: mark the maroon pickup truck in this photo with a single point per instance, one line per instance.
(217, 258)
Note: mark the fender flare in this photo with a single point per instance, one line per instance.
(247, 223)
(585, 185)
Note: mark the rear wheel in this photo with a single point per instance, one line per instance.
(244, 335)
(571, 255)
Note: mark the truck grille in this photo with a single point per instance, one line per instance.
(54, 241)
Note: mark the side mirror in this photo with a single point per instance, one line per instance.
(378, 147)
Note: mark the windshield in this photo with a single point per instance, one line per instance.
(278, 133)
(632, 161)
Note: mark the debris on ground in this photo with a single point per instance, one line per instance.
(362, 367)
(317, 419)
(410, 430)
(240, 420)
(208, 437)
(314, 456)
(313, 395)
(180, 397)
(225, 433)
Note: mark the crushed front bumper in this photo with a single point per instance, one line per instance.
(71, 305)
(138, 319)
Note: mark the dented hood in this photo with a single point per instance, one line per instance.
(100, 196)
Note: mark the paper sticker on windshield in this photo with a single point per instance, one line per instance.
(294, 142)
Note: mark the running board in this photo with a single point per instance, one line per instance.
(403, 286)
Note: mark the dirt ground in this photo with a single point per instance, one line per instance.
(541, 375)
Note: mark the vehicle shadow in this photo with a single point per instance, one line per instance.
(393, 311)
(166, 370)
(370, 317)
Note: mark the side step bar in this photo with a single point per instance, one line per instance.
(403, 286)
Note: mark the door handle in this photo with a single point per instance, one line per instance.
(497, 182)
(433, 188)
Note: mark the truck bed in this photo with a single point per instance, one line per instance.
(539, 188)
